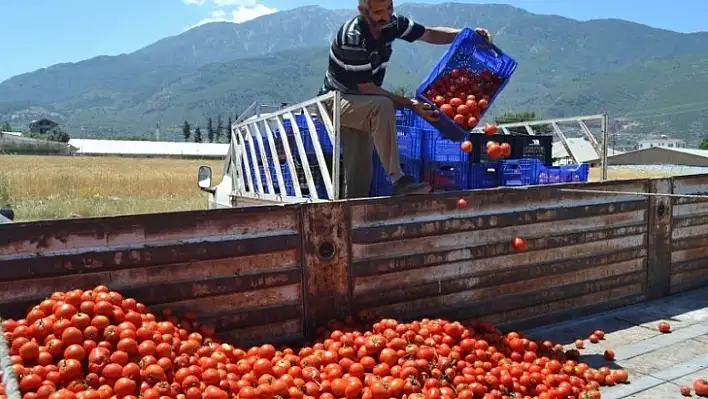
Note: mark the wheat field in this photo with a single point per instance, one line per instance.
(50, 187)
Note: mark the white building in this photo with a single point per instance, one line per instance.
(663, 141)
(149, 148)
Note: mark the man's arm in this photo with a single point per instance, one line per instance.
(443, 35)
(398, 101)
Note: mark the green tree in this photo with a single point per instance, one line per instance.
(198, 135)
(6, 127)
(210, 130)
(704, 144)
(54, 134)
(228, 129)
(219, 128)
(524, 116)
(186, 131)
(58, 134)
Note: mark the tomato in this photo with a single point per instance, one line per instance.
(29, 351)
(701, 387)
(664, 327)
(490, 129)
(65, 311)
(505, 150)
(448, 110)
(74, 351)
(124, 387)
(685, 390)
(519, 244)
(461, 203)
(466, 146)
(70, 369)
(30, 383)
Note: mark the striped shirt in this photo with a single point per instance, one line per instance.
(355, 57)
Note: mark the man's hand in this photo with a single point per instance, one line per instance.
(425, 110)
(485, 33)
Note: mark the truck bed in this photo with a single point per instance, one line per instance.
(658, 364)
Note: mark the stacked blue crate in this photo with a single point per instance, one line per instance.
(322, 135)
(410, 146)
(447, 167)
(528, 172)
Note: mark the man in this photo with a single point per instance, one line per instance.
(357, 65)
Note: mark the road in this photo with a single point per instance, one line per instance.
(658, 364)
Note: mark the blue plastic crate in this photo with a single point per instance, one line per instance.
(484, 175)
(381, 185)
(564, 174)
(472, 52)
(438, 148)
(520, 172)
(526, 172)
(322, 135)
(447, 176)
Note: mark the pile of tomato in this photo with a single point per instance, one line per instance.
(463, 95)
(97, 344)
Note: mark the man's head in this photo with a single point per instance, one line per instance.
(376, 12)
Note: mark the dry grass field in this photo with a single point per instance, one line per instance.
(49, 187)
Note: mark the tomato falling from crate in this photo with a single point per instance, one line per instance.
(519, 244)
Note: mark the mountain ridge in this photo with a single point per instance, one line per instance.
(219, 68)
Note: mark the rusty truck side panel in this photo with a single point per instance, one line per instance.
(275, 273)
(239, 269)
(415, 258)
(689, 235)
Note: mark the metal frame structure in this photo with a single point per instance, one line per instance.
(601, 149)
(252, 128)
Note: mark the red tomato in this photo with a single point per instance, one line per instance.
(519, 244)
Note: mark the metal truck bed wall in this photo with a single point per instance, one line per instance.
(274, 273)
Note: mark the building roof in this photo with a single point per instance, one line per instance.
(664, 150)
(581, 148)
(127, 147)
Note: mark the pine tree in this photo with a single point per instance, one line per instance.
(198, 135)
(186, 131)
(228, 128)
(219, 128)
(210, 130)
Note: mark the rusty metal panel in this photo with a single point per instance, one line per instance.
(422, 256)
(689, 234)
(659, 240)
(326, 254)
(240, 270)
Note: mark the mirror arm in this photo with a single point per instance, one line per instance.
(210, 190)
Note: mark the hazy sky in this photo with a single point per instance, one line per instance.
(38, 33)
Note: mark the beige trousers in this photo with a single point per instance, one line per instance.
(367, 122)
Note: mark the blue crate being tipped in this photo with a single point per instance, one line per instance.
(472, 52)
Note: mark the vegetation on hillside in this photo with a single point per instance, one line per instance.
(566, 67)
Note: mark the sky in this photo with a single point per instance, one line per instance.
(38, 33)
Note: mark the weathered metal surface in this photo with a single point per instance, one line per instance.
(659, 239)
(240, 270)
(422, 256)
(689, 235)
(326, 254)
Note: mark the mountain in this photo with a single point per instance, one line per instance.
(565, 67)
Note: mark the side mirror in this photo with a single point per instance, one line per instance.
(204, 179)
